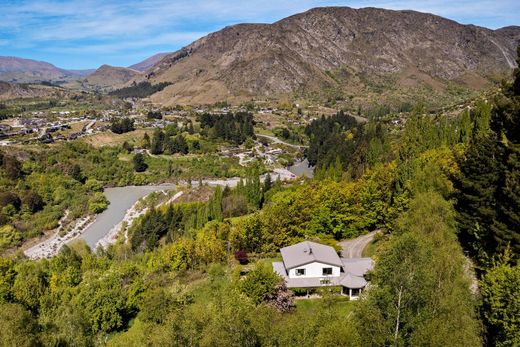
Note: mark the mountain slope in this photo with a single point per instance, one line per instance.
(15, 91)
(109, 77)
(14, 69)
(148, 63)
(336, 52)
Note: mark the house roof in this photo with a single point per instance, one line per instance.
(308, 252)
(357, 266)
(353, 281)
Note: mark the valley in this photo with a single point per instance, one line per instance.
(338, 177)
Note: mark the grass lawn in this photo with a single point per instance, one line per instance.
(108, 138)
(337, 303)
(373, 247)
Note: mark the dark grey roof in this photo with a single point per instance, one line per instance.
(308, 252)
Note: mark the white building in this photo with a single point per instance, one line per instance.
(313, 265)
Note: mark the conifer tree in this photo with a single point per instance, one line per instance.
(488, 199)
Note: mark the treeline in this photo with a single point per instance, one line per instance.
(140, 90)
(230, 127)
(82, 299)
(488, 206)
(36, 193)
(340, 144)
(173, 222)
(162, 142)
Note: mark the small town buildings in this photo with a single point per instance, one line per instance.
(312, 265)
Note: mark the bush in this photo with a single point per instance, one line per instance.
(8, 198)
(260, 284)
(97, 203)
(9, 237)
(139, 163)
(241, 256)
(33, 201)
(12, 167)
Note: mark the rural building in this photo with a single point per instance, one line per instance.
(313, 265)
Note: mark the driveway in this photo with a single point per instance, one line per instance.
(354, 248)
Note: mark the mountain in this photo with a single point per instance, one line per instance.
(16, 90)
(14, 69)
(148, 63)
(338, 53)
(108, 77)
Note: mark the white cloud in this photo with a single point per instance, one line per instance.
(173, 39)
(129, 27)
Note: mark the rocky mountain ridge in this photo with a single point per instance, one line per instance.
(337, 50)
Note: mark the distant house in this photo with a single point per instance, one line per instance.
(313, 265)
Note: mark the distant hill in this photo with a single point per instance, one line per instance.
(15, 91)
(19, 70)
(337, 53)
(148, 63)
(82, 73)
(108, 78)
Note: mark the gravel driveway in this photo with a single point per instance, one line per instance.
(354, 248)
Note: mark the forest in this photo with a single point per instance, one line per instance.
(57, 185)
(232, 127)
(445, 191)
(139, 90)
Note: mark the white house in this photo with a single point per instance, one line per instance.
(313, 265)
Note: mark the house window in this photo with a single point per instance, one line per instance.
(300, 272)
(327, 271)
(323, 282)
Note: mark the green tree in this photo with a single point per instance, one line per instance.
(33, 201)
(268, 183)
(157, 145)
(12, 167)
(259, 284)
(488, 199)
(420, 294)
(145, 143)
(30, 284)
(501, 302)
(139, 163)
(17, 326)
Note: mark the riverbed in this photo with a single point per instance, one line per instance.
(121, 200)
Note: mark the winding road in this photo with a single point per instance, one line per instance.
(277, 140)
(354, 248)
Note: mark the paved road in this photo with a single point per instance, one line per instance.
(354, 248)
(277, 140)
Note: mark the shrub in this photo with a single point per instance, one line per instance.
(139, 163)
(260, 284)
(8, 198)
(97, 203)
(33, 201)
(241, 256)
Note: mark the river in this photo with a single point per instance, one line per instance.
(121, 199)
(302, 168)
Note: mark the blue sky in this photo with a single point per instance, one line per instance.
(81, 34)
